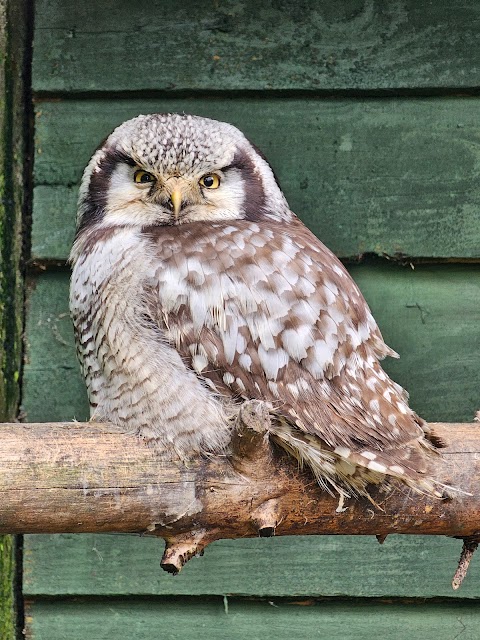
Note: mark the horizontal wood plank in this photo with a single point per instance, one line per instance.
(368, 176)
(53, 226)
(112, 565)
(429, 315)
(53, 388)
(355, 44)
(237, 619)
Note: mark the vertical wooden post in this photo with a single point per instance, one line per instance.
(15, 25)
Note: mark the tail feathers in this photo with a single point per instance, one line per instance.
(349, 473)
(433, 438)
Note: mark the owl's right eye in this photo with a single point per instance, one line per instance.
(143, 177)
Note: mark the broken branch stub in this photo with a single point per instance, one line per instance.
(251, 461)
(250, 446)
(470, 545)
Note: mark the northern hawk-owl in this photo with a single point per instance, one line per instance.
(195, 287)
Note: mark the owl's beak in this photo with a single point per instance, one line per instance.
(176, 200)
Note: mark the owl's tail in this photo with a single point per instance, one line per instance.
(349, 474)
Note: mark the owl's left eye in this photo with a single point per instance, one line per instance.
(143, 177)
(210, 181)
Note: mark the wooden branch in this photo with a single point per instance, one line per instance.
(88, 477)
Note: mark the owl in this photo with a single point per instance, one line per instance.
(195, 288)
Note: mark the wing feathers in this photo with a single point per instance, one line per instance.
(272, 314)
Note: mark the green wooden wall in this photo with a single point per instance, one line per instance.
(369, 113)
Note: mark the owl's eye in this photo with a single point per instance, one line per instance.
(143, 177)
(210, 181)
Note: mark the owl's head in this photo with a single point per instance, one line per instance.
(174, 169)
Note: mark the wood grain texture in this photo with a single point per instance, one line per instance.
(429, 315)
(122, 565)
(236, 619)
(379, 176)
(357, 44)
(89, 477)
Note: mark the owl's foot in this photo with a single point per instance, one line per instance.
(252, 456)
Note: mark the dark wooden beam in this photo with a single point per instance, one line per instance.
(15, 125)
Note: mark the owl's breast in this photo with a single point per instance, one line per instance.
(134, 377)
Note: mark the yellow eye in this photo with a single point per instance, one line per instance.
(210, 181)
(143, 177)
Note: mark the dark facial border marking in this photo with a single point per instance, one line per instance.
(254, 200)
(96, 197)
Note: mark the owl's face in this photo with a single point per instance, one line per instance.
(173, 169)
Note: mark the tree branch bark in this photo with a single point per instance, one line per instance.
(88, 477)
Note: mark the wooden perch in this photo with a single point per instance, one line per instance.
(88, 477)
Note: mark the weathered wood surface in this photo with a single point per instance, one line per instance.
(88, 477)
(355, 44)
(14, 114)
(237, 619)
(13, 176)
(430, 315)
(105, 565)
(367, 176)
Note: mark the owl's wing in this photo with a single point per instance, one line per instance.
(269, 312)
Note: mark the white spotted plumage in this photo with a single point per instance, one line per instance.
(181, 313)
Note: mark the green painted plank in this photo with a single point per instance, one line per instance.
(53, 225)
(429, 315)
(236, 620)
(53, 388)
(250, 45)
(111, 565)
(392, 176)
